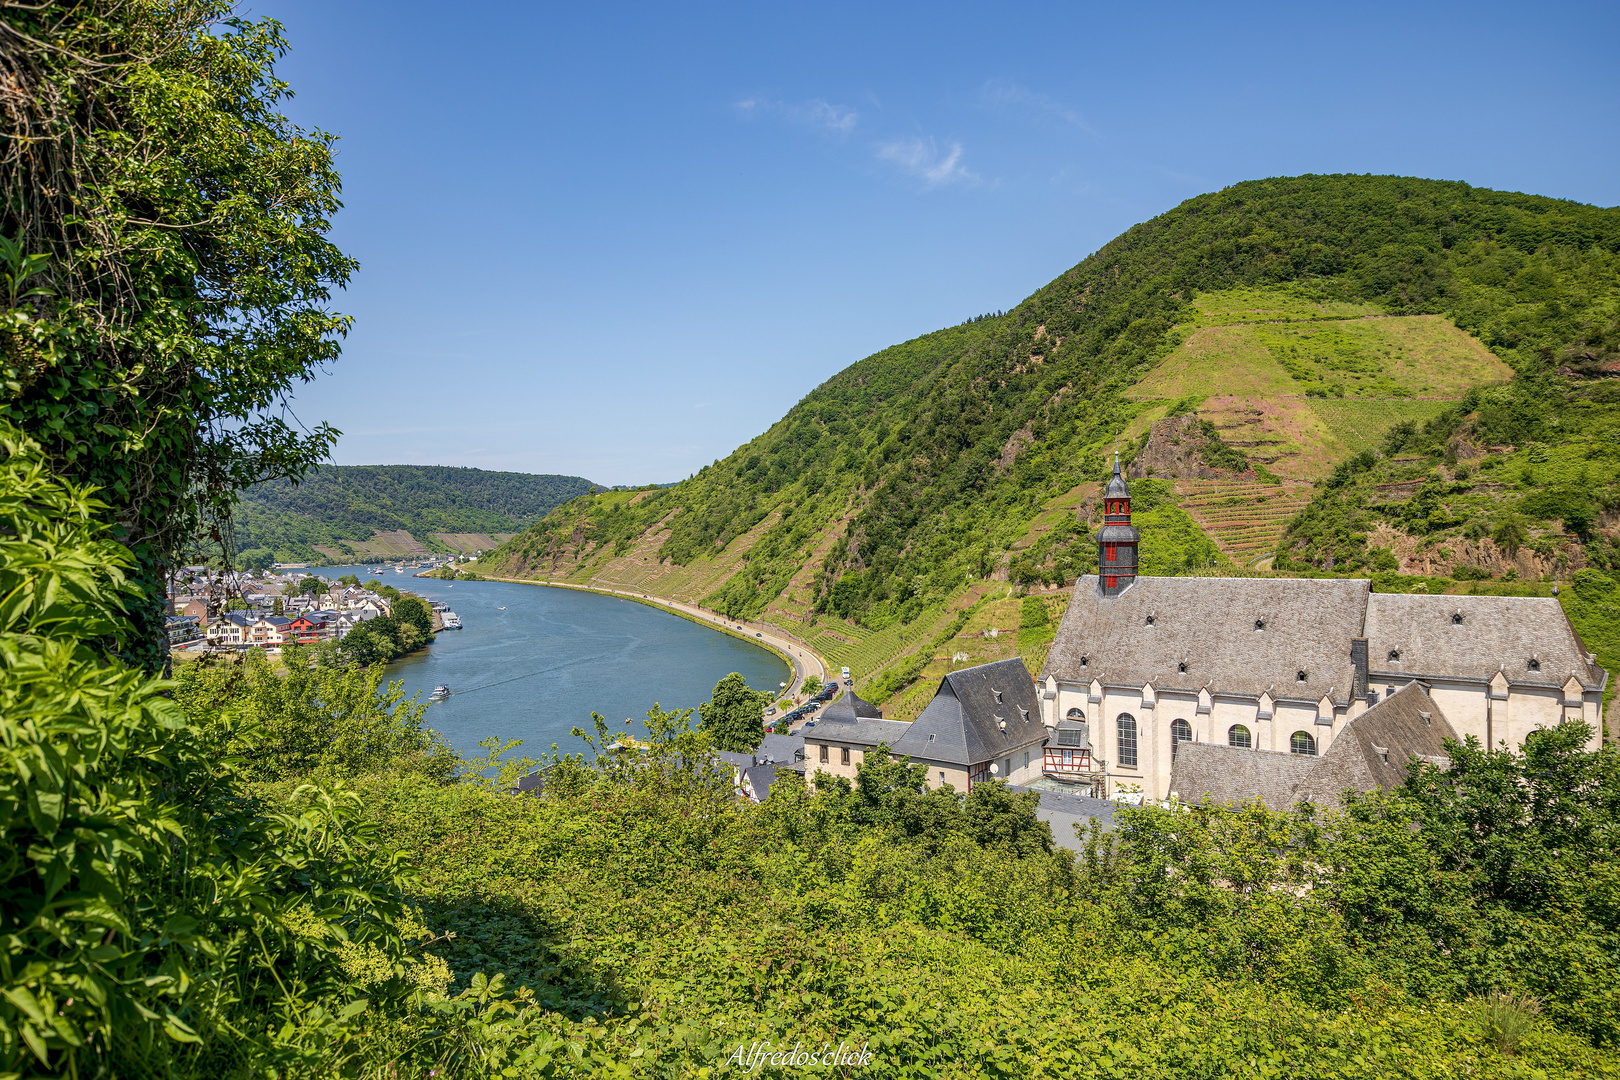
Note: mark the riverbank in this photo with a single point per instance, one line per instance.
(800, 657)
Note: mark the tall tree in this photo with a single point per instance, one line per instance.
(735, 715)
(169, 227)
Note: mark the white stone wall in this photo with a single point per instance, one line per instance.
(1463, 704)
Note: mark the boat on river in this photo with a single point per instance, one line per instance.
(439, 693)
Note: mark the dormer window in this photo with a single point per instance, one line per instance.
(996, 692)
(1259, 624)
(1085, 661)
(1395, 654)
(1535, 664)
(1182, 667)
(1023, 712)
(1150, 620)
(1301, 675)
(1456, 618)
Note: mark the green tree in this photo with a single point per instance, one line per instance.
(414, 611)
(184, 219)
(734, 715)
(349, 579)
(311, 586)
(992, 814)
(255, 559)
(319, 716)
(1509, 535)
(372, 641)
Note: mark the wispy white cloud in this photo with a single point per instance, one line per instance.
(815, 113)
(928, 162)
(1005, 94)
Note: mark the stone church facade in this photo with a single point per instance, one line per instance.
(1141, 665)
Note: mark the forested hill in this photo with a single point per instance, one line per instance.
(381, 510)
(922, 467)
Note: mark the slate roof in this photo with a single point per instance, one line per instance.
(735, 760)
(757, 781)
(1209, 623)
(1374, 750)
(1063, 811)
(849, 709)
(858, 733)
(962, 725)
(1231, 775)
(780, 749)
(1117, 488)
(1497, 633)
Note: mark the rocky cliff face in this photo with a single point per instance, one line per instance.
(1177, 448)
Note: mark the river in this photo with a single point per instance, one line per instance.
(532, 662)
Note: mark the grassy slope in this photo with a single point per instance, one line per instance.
(381, 510)
(881, 503)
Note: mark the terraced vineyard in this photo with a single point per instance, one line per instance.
(1245, 519)
(1360, 423)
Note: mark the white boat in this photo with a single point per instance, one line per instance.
(451, 621)
(439, 693)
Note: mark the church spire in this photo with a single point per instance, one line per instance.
(1118, 540)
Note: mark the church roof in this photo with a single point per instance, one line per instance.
(977, 715)
(1497, 633)
(1209, 624)
(1233, 775)
(848, 709)
(1374, 750)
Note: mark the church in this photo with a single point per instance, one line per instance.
(1281, 668)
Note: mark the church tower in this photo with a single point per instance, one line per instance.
(1116, 543)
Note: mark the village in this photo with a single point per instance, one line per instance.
(270, 609)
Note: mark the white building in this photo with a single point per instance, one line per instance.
(1282, 665)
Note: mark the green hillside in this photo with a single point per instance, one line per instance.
(881, 503)
(347, 511)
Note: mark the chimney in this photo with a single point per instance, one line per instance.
(1358, 659)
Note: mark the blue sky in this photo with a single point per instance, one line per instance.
(620, 240)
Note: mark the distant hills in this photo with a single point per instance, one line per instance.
(348, 512)
(1304, 323)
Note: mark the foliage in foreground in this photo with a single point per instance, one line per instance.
(159, 918)
(167, 914)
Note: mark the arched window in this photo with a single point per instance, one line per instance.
(1238, 735)
(1075, 714)
(1127, 739)
(1302, 743)
(1180, 732)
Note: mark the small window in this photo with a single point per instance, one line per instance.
(942, 778)
(1075, 714)
(1259, 624)
(843, 755)
(1300, 675)
(1085, 661)
(1113, 582)
(1180, 732)
(824, 755)
(996, 692)
(1150, 620)
(1238, 736)
(1394, 654)
(1127, 740)
(1110, 553)
(1456, 619)
(1535, 665)
(1182, 667)
(1302, 743)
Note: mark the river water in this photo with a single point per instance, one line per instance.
(532, 662)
